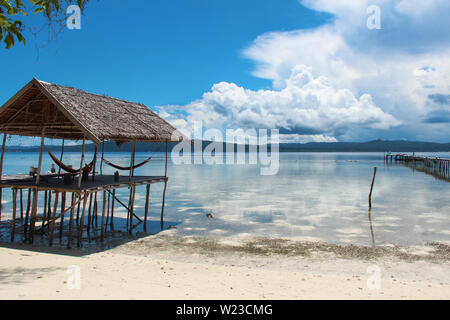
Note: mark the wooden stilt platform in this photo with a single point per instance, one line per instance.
(52, 184)
(437, 167)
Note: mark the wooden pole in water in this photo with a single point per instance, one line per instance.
(82, 162)
(72, 210)
(13, 227)
(165, 187)
(113, 200)
(103, 216)
(63, 207)
(371, 186)
(21, 204)
(147, 200)
(89, 212)
(27, 213)
(52, 224)
(33, 214)
(44, 215)
(80, 227)
(1, 170)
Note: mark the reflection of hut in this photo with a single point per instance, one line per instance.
(47, 110)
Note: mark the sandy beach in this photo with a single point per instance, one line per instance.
(167, 267)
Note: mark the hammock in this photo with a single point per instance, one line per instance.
(66, 167)
(126, 168)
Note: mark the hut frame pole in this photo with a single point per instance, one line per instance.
(82, 161)
(61, 158)
(101, 162)
(95, 164)
(1, 170)
(165, 187)
(38, 174)
(33, 214)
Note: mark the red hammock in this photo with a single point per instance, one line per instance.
(66, 167)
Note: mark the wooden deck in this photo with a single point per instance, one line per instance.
(53, 182)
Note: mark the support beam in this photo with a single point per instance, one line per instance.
(38, 175)
(80, 177)
(1, 170)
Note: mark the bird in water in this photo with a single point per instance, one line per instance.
(209, 215)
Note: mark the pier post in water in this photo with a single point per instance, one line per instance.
(371, 186)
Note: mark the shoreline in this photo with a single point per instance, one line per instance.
(173, 267)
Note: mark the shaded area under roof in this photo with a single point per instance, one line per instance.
(69, 113)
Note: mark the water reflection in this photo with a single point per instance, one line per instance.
(315, 196)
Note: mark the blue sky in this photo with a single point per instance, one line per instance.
(309, 68)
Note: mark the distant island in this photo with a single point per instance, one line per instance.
(370, 146)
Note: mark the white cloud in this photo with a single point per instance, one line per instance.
(309, 108)
(358, 84)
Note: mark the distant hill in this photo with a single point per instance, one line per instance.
(371, 146)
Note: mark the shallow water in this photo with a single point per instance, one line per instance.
(314, 196)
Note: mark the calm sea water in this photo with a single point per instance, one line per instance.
(314, 196)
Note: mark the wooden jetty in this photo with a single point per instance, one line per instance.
(437, 167)
(52, 111)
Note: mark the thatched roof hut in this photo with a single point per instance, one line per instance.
(54, 111)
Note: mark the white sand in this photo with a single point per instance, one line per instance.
(26, 273)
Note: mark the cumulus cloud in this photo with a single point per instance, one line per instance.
(342, 80)
(308, 108)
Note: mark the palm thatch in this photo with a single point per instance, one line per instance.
(55, 111)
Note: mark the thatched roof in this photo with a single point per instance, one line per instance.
(69, 113)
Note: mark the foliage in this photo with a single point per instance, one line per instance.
(12, 12)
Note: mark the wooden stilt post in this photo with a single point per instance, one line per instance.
(69, 237)
(49, 208)
(21, 204)
(371, 186)
(147, 202)
(107, 212)
(103, 216)
(52, 224)
(27, 213)
(133, 188)
(33, 214)
(80, 227)
(44, 215)
(113, 200)
(165, 187)
(1, 170)
(89, 213)
(13, 227)
(63, 207)
(82, 163)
